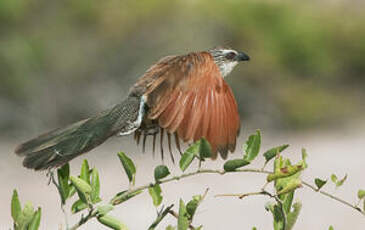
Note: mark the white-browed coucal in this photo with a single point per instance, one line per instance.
(185, 96)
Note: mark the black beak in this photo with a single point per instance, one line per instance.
(242, 57)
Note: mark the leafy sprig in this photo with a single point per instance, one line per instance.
(285, 179)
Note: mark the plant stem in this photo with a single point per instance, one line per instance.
(84, 219)
(333, 197)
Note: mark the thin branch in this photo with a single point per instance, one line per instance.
(199, 171)
(333, 197)
(160, 215)
(240, 195)
(84, 219)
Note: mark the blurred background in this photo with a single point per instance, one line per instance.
(62, 61)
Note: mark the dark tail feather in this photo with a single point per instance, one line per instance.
(57, 147)
(46, 159)
(47, 139)
(60, 146)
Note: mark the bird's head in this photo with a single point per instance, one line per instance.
(226, 59)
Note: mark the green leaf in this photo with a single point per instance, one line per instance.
(128, 166)
(63, 175)
(170, 228)
(95, 186)
(198, 197)
(183, 221)
(15, 206)
(72, 190)
(331, 228)
(188, 156)
(85, 171)
(340, 182)
(278, 218)
(124, 196)
(34, 224)
(26, 216)
(293, 215)
(82, 187)
(254, 228)
(232, 165)
(271, 153)
(112, 222)
(287, 198)
(319, 183)
(290, 186)
(334, 178)
(191, 207)
(252, 146)
(155, 192)
(104, 209)
(161, 171)
(361, 194)
(286, 171)
(205, 150)
(78, 206)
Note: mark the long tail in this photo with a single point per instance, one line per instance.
(59, 146)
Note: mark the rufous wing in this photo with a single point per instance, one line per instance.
(188, 96)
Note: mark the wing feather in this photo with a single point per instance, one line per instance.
(171, 110)
(190, 99)
(214, 124)
(184, 125)
(206, 116)
(195, 117)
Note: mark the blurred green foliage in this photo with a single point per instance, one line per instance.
(307, 63)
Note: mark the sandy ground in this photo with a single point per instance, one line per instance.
(340, 152)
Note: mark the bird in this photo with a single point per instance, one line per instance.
(185, 96)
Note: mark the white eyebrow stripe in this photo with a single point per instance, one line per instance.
(229, 51)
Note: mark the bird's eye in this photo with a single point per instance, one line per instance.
(230, 55)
